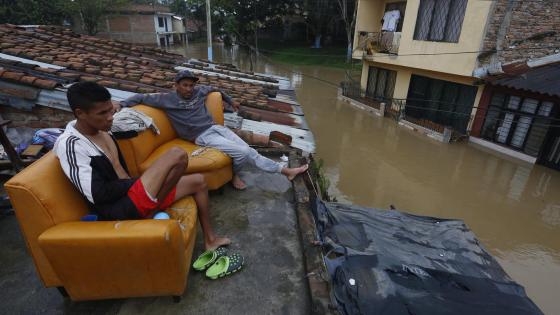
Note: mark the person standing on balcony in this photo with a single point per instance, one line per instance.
(190, 118)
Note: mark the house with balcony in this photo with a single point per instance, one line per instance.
(419, 53)
(143, 24)
(432, 61)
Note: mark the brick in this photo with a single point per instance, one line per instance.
(28, 80)
(14, 76)
(45, 84)
(88, 78)
(146, 90)
(109, 84)
(147, 81)
(107, 73)
(92, 70)
(68, 75)
(128, 87)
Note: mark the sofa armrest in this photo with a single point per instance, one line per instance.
(215, 106)
(116, 259)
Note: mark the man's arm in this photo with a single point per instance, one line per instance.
(231, 105)
(152, 99)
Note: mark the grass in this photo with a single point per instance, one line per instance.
(302, 54)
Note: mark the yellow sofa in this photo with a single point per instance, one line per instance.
(113, 259)
(103, 259)
(141, 151)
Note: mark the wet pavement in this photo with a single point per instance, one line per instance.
(513, 207)
(261, 221)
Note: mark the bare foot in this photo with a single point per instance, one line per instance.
(291, 173)
(238, 183)
(216, 242)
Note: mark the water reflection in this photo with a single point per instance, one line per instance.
(513, 207)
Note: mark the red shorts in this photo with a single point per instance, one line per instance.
(144, 204)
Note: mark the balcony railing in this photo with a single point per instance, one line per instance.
(397, 109)
(379, 42)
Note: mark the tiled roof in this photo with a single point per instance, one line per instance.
(113, 64)
(544, 80)
(48, 57)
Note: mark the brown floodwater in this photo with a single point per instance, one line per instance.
(513, 207)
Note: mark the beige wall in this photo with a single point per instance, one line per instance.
(403, 80)
(476, 15)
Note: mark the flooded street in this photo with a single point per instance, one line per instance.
(513, 207)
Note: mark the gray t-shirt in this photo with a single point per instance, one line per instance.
(189, 117)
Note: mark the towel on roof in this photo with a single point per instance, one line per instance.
(128, 119)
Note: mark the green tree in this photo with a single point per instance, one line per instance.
(42, 12)
(348, 10)
(91, 12)
(318, 15)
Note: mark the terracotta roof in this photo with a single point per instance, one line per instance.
(47, 57)
(111, 63)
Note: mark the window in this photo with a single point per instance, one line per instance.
(520, 123)
(442, 102)
(160, 22)
(381, 83)
(440, 20)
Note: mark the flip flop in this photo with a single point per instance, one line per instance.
(208, 258)
(225, 266)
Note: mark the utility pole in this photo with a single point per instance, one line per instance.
(209, 30)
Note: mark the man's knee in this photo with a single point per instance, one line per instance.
(200, 181)
(178, 155)
(243, 153)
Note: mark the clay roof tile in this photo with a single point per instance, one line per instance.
(45, 84)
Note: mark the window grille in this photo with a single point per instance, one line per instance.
(517, 122)
(381, 83)
(442, 102)
(440, 20)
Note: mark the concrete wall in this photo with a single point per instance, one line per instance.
(521, 27)
(136, 29)
(38, 117)
(462, 64)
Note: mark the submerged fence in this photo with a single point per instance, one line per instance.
(431, 118)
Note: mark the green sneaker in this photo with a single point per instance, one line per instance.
(225, 266)
(208, 258)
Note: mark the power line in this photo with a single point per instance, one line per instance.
(489, 109)
(416, 54)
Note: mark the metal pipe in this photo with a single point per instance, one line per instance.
(209, 30)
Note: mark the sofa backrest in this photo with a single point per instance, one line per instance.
(136, 150)
(43, 197)
(215, 107)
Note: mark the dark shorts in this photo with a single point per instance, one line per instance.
(144, 204)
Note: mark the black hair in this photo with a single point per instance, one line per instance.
(84, 95)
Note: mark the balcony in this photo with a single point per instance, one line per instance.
(379, 42)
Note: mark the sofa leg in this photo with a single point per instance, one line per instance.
(176, 299)
(62, 291)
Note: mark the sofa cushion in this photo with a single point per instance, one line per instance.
(210, 159)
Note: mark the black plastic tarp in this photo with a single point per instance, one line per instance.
(390, 262)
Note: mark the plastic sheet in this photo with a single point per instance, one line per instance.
(390, 262)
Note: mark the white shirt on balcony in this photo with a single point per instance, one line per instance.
(391, 20)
